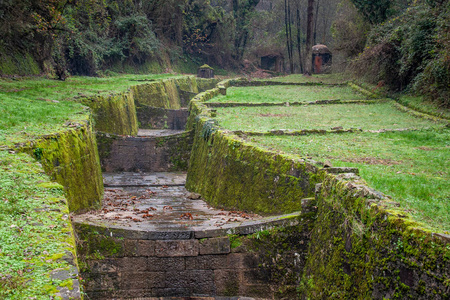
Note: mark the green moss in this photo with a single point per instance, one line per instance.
(231, 173)
(51, 185)
(71, 158)
(114, 114)
(205, 66)
(18, 64)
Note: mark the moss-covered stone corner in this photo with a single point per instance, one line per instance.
(114, 113)
(361, 250)
(282, 253)
(71, 159)
(230, 173)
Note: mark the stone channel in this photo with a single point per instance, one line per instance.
(171, 242)
(153, 238)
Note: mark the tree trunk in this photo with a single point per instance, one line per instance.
(309, 40)
(315, 22)
(291, 48)
(288, 42)
(299, 45)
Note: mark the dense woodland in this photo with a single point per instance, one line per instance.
(401, 44)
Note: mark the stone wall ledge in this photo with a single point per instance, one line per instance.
(293, 103)
(244, 228)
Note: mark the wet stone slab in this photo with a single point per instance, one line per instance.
(157, 206)
(129, 179)
(157, 132)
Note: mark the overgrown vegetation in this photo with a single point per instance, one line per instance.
(408, 51)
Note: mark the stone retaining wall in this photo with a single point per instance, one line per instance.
(161, 118)
(71, 159)
(144, 154)
(130, 266)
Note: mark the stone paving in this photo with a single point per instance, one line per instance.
(157, 206)
(157, 132)
(158, 202)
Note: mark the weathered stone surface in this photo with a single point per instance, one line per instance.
(134, 281)
(156, 264)
(110, 265)
(176, 248)
(207, 262)
(161, 118)
(170, 235)
(218, 245)
(145, 248)
(133, 264)
(227, 282)
(145, 154)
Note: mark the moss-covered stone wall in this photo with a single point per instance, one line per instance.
(71, 158)
(364, 247)
(114, 113)
(124, 113)
(144, 154)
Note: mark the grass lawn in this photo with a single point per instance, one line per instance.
(36, 106)
(289, 93)
(413, 167)
(365, 116)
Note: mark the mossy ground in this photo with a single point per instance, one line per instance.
(35, 230)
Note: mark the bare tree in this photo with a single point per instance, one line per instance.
(289, 44)
(309, 38)
(299, 31)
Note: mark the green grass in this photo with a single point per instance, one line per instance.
(364, 116)
(412, 167)
(336, 78)
(48, 89)
(290, 93)
(36, 106)
(33, 229)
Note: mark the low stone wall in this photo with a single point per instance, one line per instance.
(114, 113)
(71, 159)
(131, 264)
(160, 118)
(231, 173)
(144, 154)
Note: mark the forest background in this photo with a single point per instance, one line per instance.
(401, 44)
